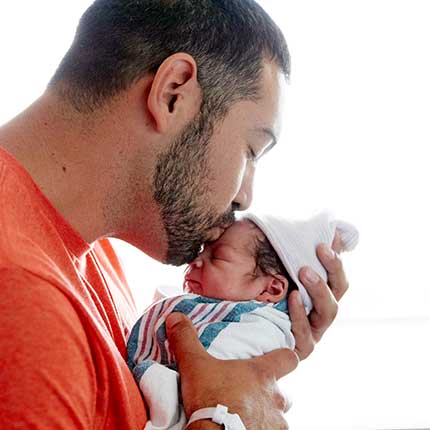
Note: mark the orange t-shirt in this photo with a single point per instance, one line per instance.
(65, 310)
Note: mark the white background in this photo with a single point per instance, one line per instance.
(355, 140)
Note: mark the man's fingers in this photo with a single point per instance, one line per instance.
(183, 337)
(333, 264)
(337, 244)
(277, 363)
(325, 305)
(300, 326)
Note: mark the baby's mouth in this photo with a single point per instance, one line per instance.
(191, 286)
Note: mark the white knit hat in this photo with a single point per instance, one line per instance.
(295, 242)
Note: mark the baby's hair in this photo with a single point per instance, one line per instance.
(267, 260)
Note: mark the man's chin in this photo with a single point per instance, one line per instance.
(177, 256)
(180, 258)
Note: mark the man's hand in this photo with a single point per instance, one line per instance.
(309, 330)
(246, 387)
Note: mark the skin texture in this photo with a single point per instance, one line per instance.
(226, 269)
(113, 154)
(181, 188)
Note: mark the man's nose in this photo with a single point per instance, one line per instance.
(243, 198)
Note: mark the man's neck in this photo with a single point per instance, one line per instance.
(61, 152)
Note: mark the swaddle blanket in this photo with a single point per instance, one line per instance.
(227, 330)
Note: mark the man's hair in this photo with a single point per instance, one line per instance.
(118, 42)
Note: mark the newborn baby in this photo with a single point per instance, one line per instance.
(236, 296)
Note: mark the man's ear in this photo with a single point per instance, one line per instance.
(175, 95)
(275, 289)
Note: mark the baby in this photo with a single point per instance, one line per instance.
(236, 296)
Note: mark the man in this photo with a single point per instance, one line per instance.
(149, 131)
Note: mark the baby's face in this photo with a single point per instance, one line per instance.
(225, 269)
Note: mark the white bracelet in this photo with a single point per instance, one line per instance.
(220, 416)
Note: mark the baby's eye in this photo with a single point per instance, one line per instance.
(218, 257)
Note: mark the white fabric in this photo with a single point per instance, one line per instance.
(159, 386)
(258, 332)
(229, 330)
(295, 242)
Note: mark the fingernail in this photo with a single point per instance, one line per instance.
(328, 252)
(298, 298)
(173, 319)
(311, 276)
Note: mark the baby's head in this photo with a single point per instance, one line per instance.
(260, 256)
(240, 265)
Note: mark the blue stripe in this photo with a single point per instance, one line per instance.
(211, 332)
(132, 343)
(282, 306)
(141, 368)
(242, 308)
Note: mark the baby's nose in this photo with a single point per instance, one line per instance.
(197, 263)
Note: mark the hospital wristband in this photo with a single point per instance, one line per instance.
(204, 425)
(218, 415)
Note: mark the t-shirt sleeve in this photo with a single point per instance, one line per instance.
(47, 375)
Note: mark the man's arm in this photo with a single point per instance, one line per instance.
(47, 377)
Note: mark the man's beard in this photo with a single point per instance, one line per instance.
(181, 189)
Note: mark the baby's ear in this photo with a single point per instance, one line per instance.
(275, 289)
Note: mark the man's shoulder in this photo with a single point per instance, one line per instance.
(24, 289)
(20, 218)
(31, 234)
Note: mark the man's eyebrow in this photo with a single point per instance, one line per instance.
(268, 132)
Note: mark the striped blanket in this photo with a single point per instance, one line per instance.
(227, 330)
